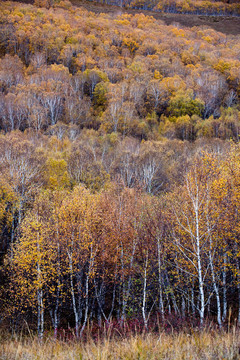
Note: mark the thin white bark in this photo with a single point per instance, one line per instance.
(224, 275)
(161, 306)
(40, 308)
(73, 294)
(144, 292)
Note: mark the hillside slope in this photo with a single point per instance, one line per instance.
(117, 167)
(224, 24)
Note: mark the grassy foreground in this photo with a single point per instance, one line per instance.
(198, 345)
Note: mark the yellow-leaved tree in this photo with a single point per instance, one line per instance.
(33, 263)
(195, 211)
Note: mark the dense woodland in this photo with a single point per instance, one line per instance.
(200, 7)
(214, 7)
(119, 170)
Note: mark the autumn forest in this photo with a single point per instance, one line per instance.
(119, 171)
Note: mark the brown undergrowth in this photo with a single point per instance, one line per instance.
(206, 344)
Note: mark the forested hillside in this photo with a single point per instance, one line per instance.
(128, 74)
(119, 171)
(200, 7)
(214, 7)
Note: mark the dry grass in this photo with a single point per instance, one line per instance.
(180, 346)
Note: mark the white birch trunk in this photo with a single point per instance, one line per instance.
(199, 264)
(144, 293)
(91, 263)
(161, 306)
(73, 295)
(224, 315)
(215, 287)
(40, 308)
(40, 314)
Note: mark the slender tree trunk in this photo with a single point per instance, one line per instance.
(144, 293)
(91, 263)
(73, 295)
(98, 298)
(175, 306)
(130, 275)
(193, 301)
(215, 287)
(211, 255)
(161, 306)
(238, 288)
(113, 300)
(40, 311)
(56, 315)
(40, 308)
(40, 314)
(216, 290)
(183, 307)
(123, 288)
(224, 315)
(86, 306)
(199, 266)
(12, 232)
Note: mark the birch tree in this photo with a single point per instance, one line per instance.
(193, 225)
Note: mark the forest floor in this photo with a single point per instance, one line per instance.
(226, 24)
(197, 345)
